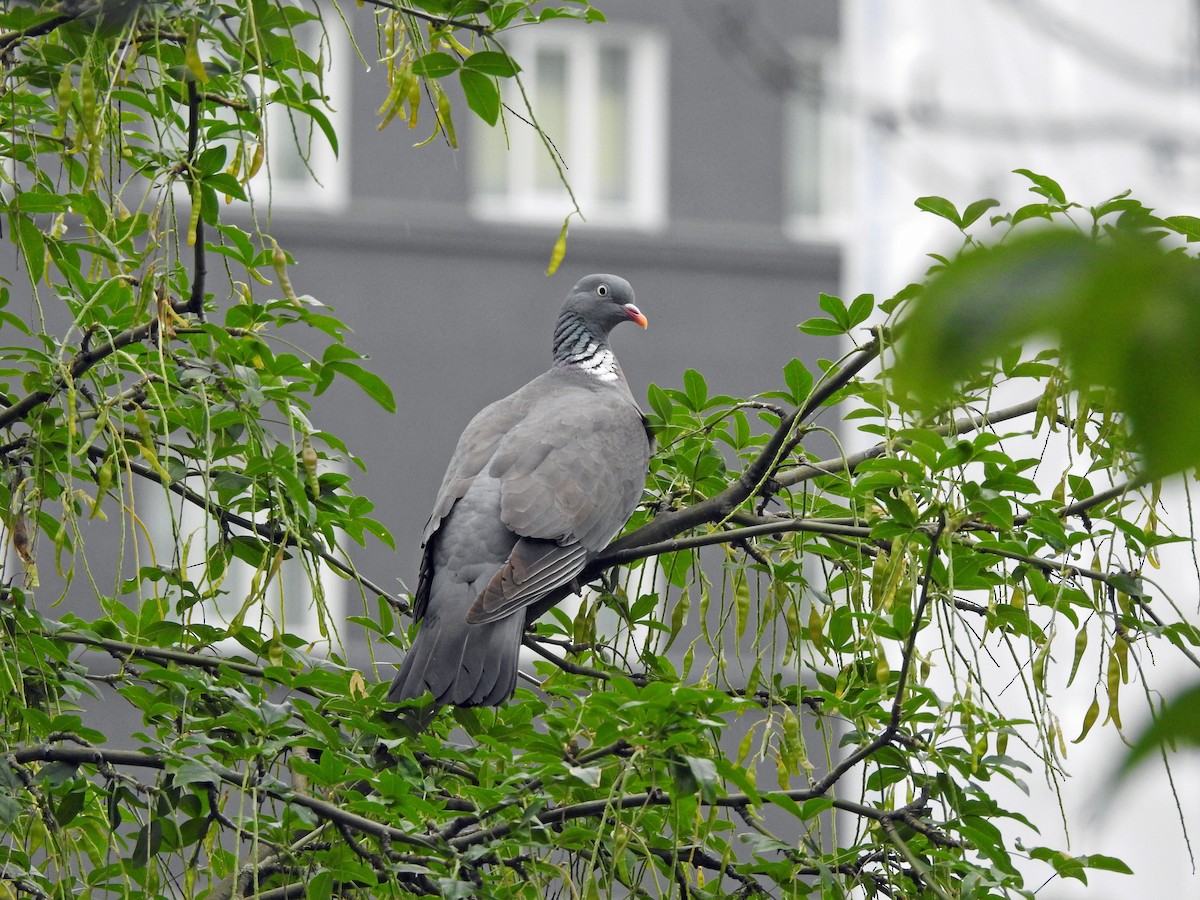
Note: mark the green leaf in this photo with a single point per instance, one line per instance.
(1177, 724)
(823, 327)
(32, 244)
(940, 206)
(492, 62)
(33, 202)
(374, 386)
(589, 775)
(704, 772)
(436, 65)
(1188, 226)
(1047, 187)
(860, 309)
(192, 771)
(1105, 863)
(660, 402)
(319, 885)
(483, 97)
(783, 801)
(836, 309)
(696, 390)
(977, 209)
(1032, 211)
(799, 380)
(1128, 583)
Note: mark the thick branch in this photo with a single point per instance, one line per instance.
(719, 506)
(598, 808)
(195, 304)
(619, 747)
(698, 858)
(9, 38)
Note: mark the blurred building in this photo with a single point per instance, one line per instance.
(947, 98)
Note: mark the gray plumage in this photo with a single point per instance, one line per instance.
(539, 484)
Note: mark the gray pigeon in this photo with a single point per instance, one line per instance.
(539, 484)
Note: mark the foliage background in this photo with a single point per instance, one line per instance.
(890, 579)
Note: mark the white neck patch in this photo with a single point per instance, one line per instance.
(599, 363)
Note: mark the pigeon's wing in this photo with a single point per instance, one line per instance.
(475, 448)
(570, 472)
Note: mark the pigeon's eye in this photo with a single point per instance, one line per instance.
(602, 290)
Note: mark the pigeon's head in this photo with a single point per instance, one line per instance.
(602, 302)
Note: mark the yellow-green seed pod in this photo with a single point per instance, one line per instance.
(194, 213)
(65, 94)
(308, 457)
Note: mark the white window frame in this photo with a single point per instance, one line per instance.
(326, 183)
(828, 221)
(169, 515)
(522, 201)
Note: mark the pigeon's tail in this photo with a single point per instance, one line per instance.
(461, 664)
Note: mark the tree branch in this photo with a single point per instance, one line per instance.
(9, 38)
(656, 797)
(195, 303)
(1087, 503)
(964, 425)
(566, 665)
(719, 506)
(124, 649)
(910, 646)
(80, 363)
(729, 536)
(439, 21)
(324, 809)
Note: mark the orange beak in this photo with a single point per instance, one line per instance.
(636, 314)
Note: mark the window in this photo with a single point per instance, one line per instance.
(813, 177)
(301, 168)
(269, 598)
(599, 97)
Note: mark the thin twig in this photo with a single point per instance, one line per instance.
(80, 363)
(124, 649)
(964, 425)
(329, 811)
(731, 535)
(440, 21)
